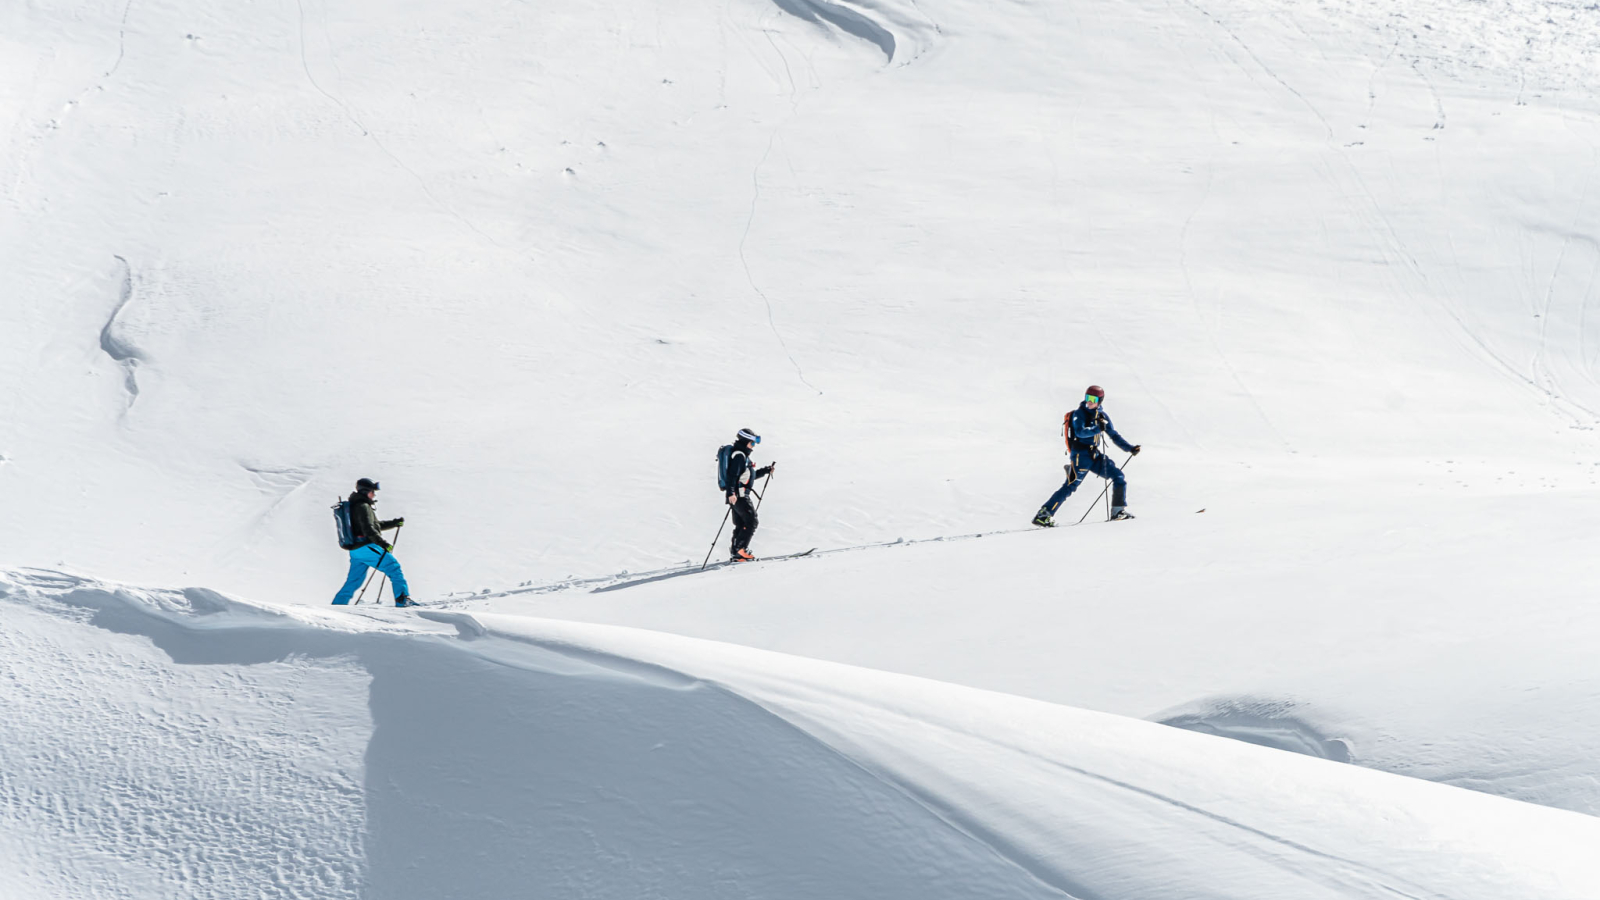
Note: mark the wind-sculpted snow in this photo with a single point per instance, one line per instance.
(217, 748)
(899, 28)
(257, 752)
(1269, 723)
(1100, 806)
(845, 19)
(114, 345)
(1533, 45)
(124, 775)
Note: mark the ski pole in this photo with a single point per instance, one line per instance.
(712, 549)
(717, 538)
(762, 494)
(1101, 443)
(1125, 464)
(375, 570)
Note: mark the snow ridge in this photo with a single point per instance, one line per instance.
(720, 771)
(1267, 723)
(120, 350)
(487, 766)
(896, 29)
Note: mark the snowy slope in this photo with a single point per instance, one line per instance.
(1444, 637)
(529, 266)
(588, 761)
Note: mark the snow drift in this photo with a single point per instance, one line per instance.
(342, 754)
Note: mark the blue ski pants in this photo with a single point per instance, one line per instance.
(1083, 464)
(367, 557)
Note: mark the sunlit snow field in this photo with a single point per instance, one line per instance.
(529, 265)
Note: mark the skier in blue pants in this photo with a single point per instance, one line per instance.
(371, 550)
(1083, 427)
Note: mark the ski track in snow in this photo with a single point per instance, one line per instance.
(755, 199)
(626, 579)
(350, 115)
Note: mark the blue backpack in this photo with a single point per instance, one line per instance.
(724, 456)
(341, 522)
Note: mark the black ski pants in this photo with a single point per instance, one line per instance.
(744, 523)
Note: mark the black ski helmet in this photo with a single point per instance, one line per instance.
(748, 436)
(366, 484)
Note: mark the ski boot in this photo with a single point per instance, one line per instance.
(404, 600)
(1119, 512)
(1044, 519)
(742, 555)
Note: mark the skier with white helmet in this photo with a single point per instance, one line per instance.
(737, 474)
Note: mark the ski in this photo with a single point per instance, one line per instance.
(692, 570)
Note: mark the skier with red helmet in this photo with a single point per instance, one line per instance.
(1084, 427)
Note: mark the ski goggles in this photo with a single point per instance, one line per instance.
(1090, 398)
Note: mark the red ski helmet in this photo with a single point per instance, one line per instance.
(1097, 391)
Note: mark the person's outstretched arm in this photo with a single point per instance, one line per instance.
(1117, 438)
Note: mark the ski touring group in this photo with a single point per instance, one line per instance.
(1086, 429)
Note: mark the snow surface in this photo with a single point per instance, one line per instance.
(538, 757)
(530, 264)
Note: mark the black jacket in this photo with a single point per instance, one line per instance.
(741, 472)
(365, 526)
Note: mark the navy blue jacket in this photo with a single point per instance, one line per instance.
(1084, 425)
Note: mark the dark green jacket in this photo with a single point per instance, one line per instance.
(364, 523)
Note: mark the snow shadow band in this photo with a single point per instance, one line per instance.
(496, 769)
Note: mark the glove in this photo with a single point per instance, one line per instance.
(402, 520)
(1135, 450)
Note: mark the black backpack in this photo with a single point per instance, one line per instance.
(724, 456)
(341, 522)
